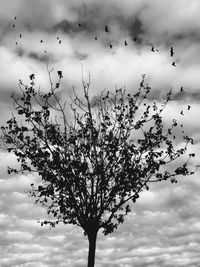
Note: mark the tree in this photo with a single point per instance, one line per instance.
(94, 162)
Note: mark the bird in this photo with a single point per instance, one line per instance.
(181, 112)
(181, 89)
(13, 25)
(171, 51)
(60, 42)
(16, 43)
(106, 29)
(20, 36)
(79, 24)
(189, 107)
(57, 38)
(15, 18)
(153, 49)
(134, 39)
(95, 37)
(125, 43)
(41, 41)
(110, 45)
(174, 64)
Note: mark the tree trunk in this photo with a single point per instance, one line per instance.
(92, 238)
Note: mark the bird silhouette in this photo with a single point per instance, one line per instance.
(171, 51)
(134, 39)
(189, 107)
(181, 112)
(41, 41)
(106, 29)
(15, 18)
(16, 43)
(60, 42)
(95, 38)
(57, 38)
(79, 24)
(110, 46)
(20, 36)
(125, 43)
(174, 64)
(153, 49)
(181, 89)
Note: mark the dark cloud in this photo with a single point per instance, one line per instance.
(66, 27)
(36, 56)
(136, 30)
(80, 56)
(192, 36)
(20, 51)
(187, 96)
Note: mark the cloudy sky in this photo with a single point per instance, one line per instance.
(164, 227)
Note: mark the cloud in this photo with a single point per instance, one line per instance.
(163, 229)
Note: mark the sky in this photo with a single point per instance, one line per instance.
(164, 227)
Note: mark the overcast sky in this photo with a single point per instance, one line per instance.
(164, 227)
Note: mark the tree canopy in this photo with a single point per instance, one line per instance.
(95, 158)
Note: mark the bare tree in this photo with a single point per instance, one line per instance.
(95, 162)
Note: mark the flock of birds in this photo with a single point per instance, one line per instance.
(107, 30)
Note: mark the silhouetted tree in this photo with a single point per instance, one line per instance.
(94, 162)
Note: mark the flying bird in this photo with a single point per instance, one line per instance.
(20, 36)
(60, 42)
(106, 29)
(174, 64)
(15, 18)
(171, 51)
(153, 49)
(181, 112)
(189, 107)
(41, 41)
(134, 39)
(181, 89)
(95, 38)
(125, 43)
(110, 46)
(79, 24)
